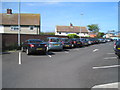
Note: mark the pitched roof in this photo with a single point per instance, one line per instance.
(26, 19)
(73, 29)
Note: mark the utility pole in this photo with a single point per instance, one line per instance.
(19, 24)
(81, 24)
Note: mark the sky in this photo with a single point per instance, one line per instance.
(105, 14)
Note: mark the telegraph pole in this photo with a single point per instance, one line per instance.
(81, 24)
(19, 24)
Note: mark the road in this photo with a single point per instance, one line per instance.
(73, 68)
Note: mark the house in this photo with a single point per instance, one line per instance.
(65, 30)
(92, 35)
(109, 35)
(29, 23)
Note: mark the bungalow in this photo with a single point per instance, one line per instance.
(65, 30)
(29, 23)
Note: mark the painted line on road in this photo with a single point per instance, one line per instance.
(49, 56)
(66, 52)
(110, 58)
(105, 67)
(110, 53)
(109, 85)
(95, 50)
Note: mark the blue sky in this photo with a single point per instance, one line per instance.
(105, 14)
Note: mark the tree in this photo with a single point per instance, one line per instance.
(93, 28)
(73, 36)
(100, 34)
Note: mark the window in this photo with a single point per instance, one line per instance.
(59, 32)
(14, 28)
(77, 33)
(31, 27)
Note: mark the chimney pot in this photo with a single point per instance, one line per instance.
(71, 24)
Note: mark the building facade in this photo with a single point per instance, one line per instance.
(29, 23)
(65, 30)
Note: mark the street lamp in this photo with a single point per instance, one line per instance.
(19, 25)
(80, 24)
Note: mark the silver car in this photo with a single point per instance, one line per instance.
(54, 43)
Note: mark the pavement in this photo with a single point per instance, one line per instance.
(86, 67)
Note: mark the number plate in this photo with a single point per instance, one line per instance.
(118, 48)
(67, 45)
(39, 49)
(56, 44)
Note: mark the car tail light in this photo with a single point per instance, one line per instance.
(114, 44)
(31, 45)
(74, 42)
(45, 45)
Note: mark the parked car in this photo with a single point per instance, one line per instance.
(54, 43)
(102, 40)
(84, 41)
(34, 46)
(89, 41)
(67, 43)
(117, 48)
(76, 42)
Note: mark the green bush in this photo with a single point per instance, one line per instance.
(73, 36)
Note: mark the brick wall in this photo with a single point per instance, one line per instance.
(12, 39)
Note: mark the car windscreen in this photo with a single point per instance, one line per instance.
(54, 40)
(66, 40)
(118, 42)
(36, 41)
(82, 39)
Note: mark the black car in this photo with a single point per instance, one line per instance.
(117, 48)
(34, 46)
(76, 42)
(67, 43)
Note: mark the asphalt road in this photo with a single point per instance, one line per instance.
(72, 68)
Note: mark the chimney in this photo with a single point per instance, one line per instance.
(9, 11)
(71, 24)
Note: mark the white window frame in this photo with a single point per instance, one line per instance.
(14, 28)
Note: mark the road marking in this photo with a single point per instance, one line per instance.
(66, 52)
(20, 58)
(49, 56)
(109, 85)
(104, 67)
(95, 50)
(110, 58)
(110, 53)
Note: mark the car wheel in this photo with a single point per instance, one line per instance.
(118, 57)
(28, 52)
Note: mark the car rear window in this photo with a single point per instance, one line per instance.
(36, 41)
(54, 40)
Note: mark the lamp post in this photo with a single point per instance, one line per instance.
(80, 24)
(19, 25)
